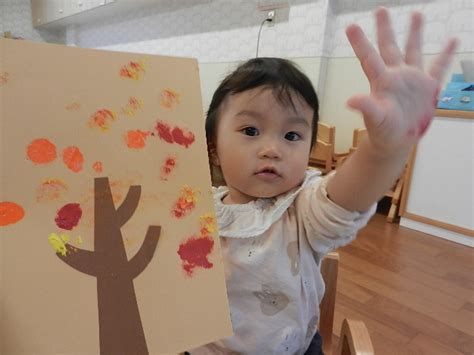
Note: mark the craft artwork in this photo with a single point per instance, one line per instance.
(108, 237)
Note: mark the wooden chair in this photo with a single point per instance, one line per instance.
(322, 155)
(357, 137)
(354, 336)
(395, 192)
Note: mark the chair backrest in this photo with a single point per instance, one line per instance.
(322, 154)
(329, 268)
(357, 136)
(354, 338)
(326, 133)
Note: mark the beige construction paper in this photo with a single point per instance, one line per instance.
(108, 237)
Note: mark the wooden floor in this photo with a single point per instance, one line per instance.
(415, 292)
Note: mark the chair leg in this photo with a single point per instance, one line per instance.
(354, 339)
(393, 213)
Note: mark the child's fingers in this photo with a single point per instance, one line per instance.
(386, 39)
(370, 60)
(373, 114)
(442, 61)
(413, 46)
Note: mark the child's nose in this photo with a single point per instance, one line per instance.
(270, 150)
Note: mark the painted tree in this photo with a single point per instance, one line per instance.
(108, 257)
(120, 327)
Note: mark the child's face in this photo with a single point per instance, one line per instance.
(262, 146)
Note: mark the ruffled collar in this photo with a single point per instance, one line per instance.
(255, 217)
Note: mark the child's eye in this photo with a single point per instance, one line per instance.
(250, 131)
(292, 136)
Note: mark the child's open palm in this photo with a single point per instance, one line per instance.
(402, 98)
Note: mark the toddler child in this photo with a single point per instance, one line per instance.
(276, 218)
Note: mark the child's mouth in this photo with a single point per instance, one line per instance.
(268, 174)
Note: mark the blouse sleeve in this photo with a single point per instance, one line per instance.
(327, 225)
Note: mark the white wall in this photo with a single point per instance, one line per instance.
(344, 79)
(212, 31)
(226, 30)
(220, 33)
(443, 19)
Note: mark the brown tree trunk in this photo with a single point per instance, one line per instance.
(120, 326)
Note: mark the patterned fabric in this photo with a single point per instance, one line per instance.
(271, 250)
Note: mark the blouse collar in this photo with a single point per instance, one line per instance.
(255, 217)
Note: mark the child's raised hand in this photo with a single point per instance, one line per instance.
(402, 98)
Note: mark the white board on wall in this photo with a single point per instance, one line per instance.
(440, 190)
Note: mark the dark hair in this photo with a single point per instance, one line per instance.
(279, 74)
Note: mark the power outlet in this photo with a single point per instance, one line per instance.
(271, 17)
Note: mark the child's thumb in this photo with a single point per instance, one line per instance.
(371, 111)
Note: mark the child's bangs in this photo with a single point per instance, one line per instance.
(285, 95)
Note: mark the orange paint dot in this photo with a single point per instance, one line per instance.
(3, 78)
(73, 159)
(102, 119)
(98, 167)
(50, 190)
(132, 107)
(136, 139)
(10, 213)
(74, 106)
(41, 151)
(133, 70)
(169, 98)
(185, 203)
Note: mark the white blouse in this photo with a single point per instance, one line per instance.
(272, 249)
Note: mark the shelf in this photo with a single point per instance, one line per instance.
(58, 14)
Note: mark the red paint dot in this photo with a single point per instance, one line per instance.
(182, 137)
(167, 168)
(194, 253)
(164, 132)
(68, 216)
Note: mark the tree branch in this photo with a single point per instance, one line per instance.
(85, 261)
(129, 205)
(143, 257)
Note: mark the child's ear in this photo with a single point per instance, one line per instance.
(214, 158)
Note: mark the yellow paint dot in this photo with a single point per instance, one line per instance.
(58, 243)
(209, 223)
